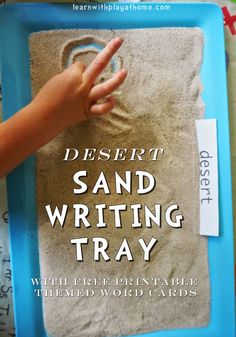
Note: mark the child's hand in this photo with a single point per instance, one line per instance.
(71, 96)
(67, 99)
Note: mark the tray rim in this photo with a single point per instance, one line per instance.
(22, 18)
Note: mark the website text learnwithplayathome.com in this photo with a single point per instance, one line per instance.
(120, 7)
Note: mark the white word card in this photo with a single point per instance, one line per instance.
(208, 188)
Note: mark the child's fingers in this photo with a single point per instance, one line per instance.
(79, 65)
(103, 108)
(76, 70)
(106, 88)
(101, 61)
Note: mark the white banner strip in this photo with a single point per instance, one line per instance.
(208, 188)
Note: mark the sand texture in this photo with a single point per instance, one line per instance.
(156, 108)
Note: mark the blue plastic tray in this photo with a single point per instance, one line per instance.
(17, 21)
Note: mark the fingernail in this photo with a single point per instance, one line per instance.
(123, 70)
(120, 39)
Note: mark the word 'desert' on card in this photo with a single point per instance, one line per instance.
(208, 173)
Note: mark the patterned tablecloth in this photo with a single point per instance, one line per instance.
(6, 310)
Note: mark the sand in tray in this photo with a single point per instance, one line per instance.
(156, 108)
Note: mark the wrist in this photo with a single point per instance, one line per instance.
(46, 117)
